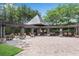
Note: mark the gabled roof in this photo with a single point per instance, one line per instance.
(37, 20)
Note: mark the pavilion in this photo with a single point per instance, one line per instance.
(38, 23)
(38, 27)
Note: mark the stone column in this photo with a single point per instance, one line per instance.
(38, 31)
(61, 32)
(48, 31)
(32, 32)
(2, 34)
(76, 31)
(22, 30)
(3, 31)
(1, 40)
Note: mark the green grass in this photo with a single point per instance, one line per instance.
(8, 50)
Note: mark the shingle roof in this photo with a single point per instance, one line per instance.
(37, 20)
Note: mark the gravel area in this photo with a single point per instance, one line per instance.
(50, 46)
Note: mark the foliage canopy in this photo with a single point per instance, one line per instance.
(63, 14)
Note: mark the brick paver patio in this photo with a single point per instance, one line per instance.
(50, 46)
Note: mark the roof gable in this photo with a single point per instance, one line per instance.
(36, 20)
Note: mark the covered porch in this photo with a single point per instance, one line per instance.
(37, 27)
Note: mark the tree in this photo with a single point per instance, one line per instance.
(12, 13)
(62, 14)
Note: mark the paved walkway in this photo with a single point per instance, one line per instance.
(50, 46)
(21, 43)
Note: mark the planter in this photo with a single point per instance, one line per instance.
(77, 36)
(48, 34)
(69, 34)
(52, 34)
(65, 34)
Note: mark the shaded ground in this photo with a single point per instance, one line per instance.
(50, 46)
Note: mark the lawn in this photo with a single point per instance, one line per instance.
(8, 50)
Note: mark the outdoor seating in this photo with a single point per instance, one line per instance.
(32, 35)
(36, 26)
(10, 37)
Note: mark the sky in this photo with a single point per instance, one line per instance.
(41, 7)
